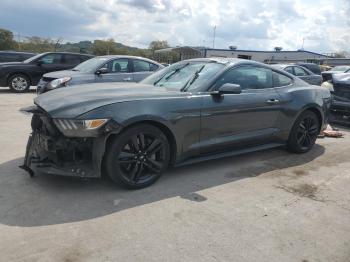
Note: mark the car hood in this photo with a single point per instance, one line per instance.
(76, 100)
(343, 78)
(332, 72)
(64, 73)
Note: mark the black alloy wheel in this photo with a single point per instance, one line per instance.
(138, 156)
(304, 132)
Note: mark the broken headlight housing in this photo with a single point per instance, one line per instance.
(81, 128)
(60, 82)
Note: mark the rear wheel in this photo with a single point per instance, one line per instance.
(138, 156)
(304, 132)
(19, 83)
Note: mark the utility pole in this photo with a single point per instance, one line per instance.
(214, 31)
(302, 46)
(19, 41)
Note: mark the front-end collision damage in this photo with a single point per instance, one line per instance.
(74, 153)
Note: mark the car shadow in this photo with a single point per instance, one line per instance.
(47, 200)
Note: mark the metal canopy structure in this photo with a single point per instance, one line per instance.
(183, 52)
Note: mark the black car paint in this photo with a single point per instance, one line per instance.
(13, 56)
(340, 108)
(33, 69)
(199, 125)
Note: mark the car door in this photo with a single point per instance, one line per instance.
(142, 69)
(118, 70)
(239, 120)
(70, 61)
(51, 62)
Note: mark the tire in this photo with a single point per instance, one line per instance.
(304, 133)
(19, 83)
(137, 157)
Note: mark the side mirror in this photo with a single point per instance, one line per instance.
(101, 71)
(228, 89)
(39, 62)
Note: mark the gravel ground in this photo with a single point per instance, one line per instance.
(266, 206)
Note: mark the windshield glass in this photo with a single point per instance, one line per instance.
(184, 76)
(32, 58)
(90, 65)
(340, 68)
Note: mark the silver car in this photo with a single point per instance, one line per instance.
(301, 72)
(112, 68)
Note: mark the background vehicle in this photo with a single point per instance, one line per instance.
(327, 75)
(19, 76)
(101, 69)
(13, 56)
(301, 72)
(191, 111)
(314, 68)
(340, 108)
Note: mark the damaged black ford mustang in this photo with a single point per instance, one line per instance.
(191, 111)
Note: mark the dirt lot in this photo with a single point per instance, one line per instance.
(266, 206)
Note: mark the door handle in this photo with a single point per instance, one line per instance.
(273, 101)
(127, 79)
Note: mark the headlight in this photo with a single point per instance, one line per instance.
(59, 82)
(80, 128)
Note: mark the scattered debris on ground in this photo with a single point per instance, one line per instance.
(331, 132)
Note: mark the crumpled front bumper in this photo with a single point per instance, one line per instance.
(41, 86)
(41, 159)
(340, 112)
(54, 154)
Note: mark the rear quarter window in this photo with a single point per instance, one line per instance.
(281, 80)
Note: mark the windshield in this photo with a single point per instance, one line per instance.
(184, 76)
(90, 65)
(32, 58)
(340, 68)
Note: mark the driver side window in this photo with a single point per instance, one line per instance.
(299, 71)
(51, 59)
(118, 66)
(248, 77)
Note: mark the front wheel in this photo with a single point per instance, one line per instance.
(304, 132)
(19, 83)
(137, 157)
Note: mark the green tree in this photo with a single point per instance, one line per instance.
(38, 44)
(104, 47)
(158, 44)
(6, 40)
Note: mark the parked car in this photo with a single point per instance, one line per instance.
(191, 111)
(19, 76)
(327, 75)
(314, 68)
(340, 90)
(13, 56)
(301, 72)
(100, 69)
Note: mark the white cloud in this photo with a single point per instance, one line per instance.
(252, 24)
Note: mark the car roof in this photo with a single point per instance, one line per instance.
(68, 53)
(228, 61)
(283, 65)
(130, 57)
(305, 63)
(17, 52)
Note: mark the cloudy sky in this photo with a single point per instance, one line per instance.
(249, 24)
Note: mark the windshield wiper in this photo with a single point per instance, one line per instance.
(171, 74)
(75, 69)
(192, 79)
